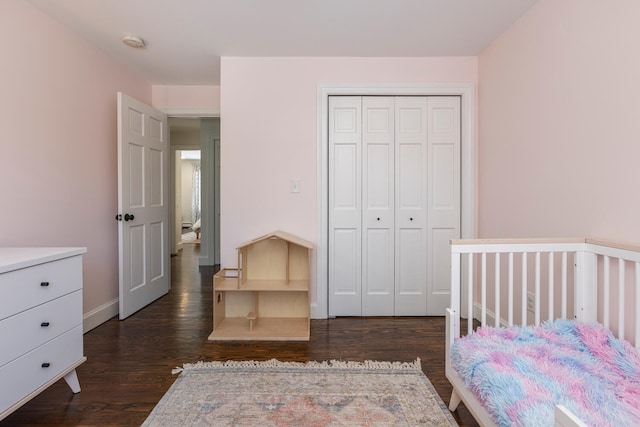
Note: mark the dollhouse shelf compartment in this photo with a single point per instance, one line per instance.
(267, 296)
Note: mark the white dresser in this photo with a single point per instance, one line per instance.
(40, 322)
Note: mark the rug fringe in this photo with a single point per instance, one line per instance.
(331, 364)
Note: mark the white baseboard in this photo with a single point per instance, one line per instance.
(491, 316)
(314, 312)
(99, 315)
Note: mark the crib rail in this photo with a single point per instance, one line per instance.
(505, 282)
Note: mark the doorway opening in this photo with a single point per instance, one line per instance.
(195, 183)
(188, 196)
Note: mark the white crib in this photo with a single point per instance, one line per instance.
(510, 282)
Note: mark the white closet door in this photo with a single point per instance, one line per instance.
(394, 204)
(443, 197)
(410, 205)
(345, 206)
(378, 206)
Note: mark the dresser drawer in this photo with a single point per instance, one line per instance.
(29, 329)
(32, 286)
(26, 374)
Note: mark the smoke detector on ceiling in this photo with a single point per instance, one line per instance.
(133, 41)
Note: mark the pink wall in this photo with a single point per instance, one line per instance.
(58, 171)
(559, 122)
(186, 97)
(269, 134)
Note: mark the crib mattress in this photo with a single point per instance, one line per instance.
(519, 374)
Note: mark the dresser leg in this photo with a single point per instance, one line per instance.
(72, 380)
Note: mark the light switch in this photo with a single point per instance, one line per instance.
(295, 185)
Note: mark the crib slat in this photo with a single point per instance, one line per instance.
(524, 289)
(551, 285)
(483, 289)
(497, 289)
(564, 285)
(621, 295)
(605, 297)
(637, 306)
(510, 290)
(470, 294)
(536, 295)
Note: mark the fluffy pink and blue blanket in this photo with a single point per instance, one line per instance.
(519, 374)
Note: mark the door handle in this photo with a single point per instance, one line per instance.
(119, 217)
(128, 217)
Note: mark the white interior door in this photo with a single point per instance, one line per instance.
(143, 198)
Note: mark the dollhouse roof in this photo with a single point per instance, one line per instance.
(279, 235)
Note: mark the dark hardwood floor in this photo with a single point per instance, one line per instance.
(129, 362)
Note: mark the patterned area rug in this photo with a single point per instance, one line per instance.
(308, 394)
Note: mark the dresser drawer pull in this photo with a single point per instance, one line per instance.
(44, 324)
(44, 284)
(46, 364)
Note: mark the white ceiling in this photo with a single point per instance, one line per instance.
(186, 38)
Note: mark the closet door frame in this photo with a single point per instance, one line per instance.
(320, 298)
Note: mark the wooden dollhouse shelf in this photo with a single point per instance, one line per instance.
(267, 296)
(265, 329)
(265, 285)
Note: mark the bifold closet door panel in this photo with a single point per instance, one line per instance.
(378, 216)
(410, 206)
(345, 206)
(443, 197)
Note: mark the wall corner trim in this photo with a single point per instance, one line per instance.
(99, 315)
